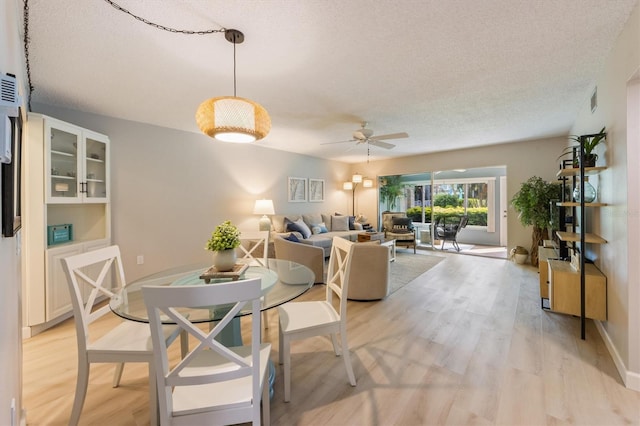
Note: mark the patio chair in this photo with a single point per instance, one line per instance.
(449, 232)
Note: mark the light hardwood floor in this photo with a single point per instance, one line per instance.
(465, 343)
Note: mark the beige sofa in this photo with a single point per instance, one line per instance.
(369, 277)
(336, 225)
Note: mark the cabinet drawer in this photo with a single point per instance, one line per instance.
(564, 290)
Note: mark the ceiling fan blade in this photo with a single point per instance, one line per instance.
(332, 143)
(384, 145)
(400, 135)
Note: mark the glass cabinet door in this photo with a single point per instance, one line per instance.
(96, 168)
(62, 170)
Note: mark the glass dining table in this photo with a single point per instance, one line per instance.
(282, 281)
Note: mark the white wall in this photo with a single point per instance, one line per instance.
(618, 186)
(171, 188)
(11, 61)
(522, 159)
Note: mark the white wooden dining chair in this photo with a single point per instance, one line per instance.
(254, 247)
(212, 384)
(91, 275)
(254, 250)
(301, 320)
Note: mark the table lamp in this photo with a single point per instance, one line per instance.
(264, 207)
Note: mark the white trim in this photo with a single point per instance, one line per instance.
(631, 379)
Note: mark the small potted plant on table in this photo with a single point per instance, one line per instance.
(223, 243)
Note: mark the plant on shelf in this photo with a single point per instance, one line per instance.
(589, 144)
(223, 242)
(532, 204)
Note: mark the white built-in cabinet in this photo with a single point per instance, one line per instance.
(66, 182)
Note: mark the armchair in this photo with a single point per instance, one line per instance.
(397, 226)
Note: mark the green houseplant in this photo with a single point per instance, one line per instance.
(390, 189)
(223, 242)
(589, 143)
(532, 204)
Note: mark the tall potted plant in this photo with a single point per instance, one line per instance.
(390, 189)
(532, 204)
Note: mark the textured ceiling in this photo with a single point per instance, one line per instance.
(452, 74)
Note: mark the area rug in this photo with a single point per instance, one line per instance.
(409, 266)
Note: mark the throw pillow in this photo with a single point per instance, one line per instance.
(292, 237)
(315, 230)
(339, 223)
(358, 226)
(352, 220)
(299, 226)
(322, 228)
(402, 225)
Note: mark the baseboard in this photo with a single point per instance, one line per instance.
(31, 331)
(631, 380)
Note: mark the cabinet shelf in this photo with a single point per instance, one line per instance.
(576, 204)
(95, 160)
(64, 154)
(62, 177)
(575, 237)
(575, 171)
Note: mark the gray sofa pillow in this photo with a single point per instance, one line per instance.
(339, 223)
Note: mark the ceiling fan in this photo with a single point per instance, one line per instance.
(365, 135)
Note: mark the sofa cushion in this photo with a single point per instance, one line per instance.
(298, 226)
(312, 219)
(292, 237)
(326, 218)
(339, 223)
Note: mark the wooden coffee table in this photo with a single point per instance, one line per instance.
(365, 237)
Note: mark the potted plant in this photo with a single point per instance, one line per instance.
(223, 242)
(519, 254)
(589, 144)
(532, 204)
(391, 188)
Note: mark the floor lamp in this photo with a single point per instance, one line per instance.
(352, 185)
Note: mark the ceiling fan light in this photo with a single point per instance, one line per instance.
(233, 119)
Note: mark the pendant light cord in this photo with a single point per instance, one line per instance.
(234, 68)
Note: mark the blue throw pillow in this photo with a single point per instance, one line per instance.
(352, 220)
(292, 237)
(299, 226)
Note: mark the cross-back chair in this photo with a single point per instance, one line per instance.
(252, 243)
(301, 320)
(212, 384)
(89, 276)
(254, 247)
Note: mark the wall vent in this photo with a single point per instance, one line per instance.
(9, 99)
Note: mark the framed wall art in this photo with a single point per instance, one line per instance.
(297, 189)
(11, 173)
(316, 190)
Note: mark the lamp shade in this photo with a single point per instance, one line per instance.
(356, 178)
(264, 207)
(367, 183)
(233, 119)
(347, 186)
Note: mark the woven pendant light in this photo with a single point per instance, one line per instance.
(230, 118)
